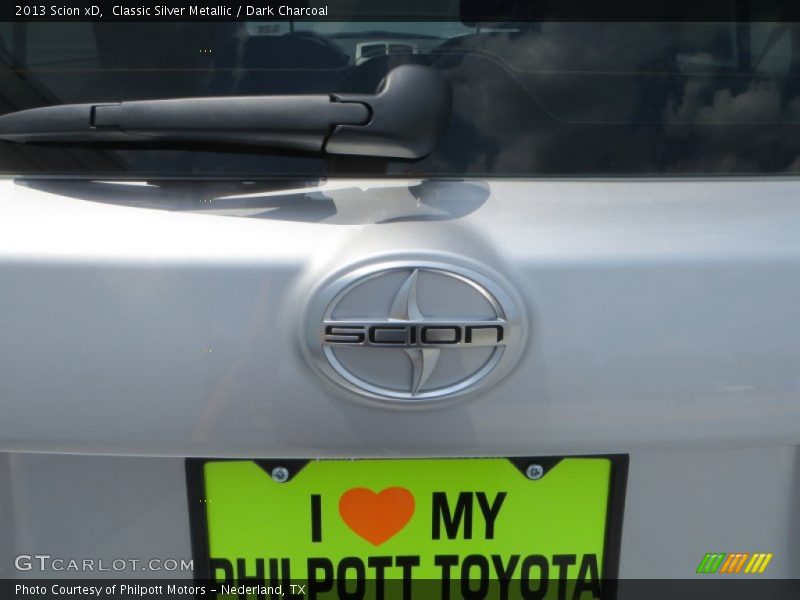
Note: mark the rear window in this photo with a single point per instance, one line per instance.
(531, 99)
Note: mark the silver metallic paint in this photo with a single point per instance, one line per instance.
(666, 317)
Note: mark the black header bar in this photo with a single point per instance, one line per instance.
(467, 11)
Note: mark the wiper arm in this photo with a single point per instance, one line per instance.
(404, 118)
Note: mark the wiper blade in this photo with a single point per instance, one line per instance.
(404, 118)
(300, 122)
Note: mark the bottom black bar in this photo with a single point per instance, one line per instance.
(177, 589)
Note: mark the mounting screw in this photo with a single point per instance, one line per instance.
(280, 474)
(533, 471)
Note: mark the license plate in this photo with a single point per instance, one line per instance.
(477, 527)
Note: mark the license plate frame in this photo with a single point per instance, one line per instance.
(615, 507)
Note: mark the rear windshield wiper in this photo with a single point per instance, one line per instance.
(404, 118)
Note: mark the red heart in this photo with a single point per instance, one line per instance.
(376, 517)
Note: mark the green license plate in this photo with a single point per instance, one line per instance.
(478, 527)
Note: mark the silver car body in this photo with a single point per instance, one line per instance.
(663, 320)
